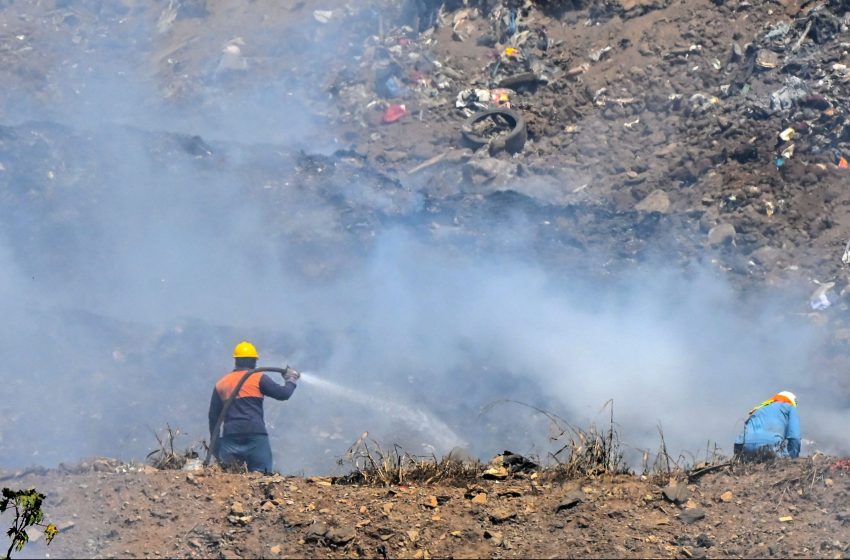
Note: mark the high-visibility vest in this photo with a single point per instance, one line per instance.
(773, 399)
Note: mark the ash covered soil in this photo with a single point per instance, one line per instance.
(795, 508)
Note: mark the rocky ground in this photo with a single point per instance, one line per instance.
(793, 509)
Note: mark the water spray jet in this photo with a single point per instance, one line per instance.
(416, 418)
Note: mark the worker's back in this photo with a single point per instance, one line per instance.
(770, 425)
(245, 415)
(244, 438)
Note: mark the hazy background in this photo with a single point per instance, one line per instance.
(133, 257)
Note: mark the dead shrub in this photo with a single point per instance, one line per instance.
(376, 466)
(166, 458)
(665, 468)
(584, 453)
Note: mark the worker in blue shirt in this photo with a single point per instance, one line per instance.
(772, 429)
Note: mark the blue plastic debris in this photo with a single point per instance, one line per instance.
(395, 87)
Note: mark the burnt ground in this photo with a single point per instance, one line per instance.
(793, 509)
(653, 130)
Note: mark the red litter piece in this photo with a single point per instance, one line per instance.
(394, 113)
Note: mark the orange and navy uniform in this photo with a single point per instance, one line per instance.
(245, 415)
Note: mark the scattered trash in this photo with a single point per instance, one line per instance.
(600, 99)
(393, 113)
(767, 59)
(473, 98)
(769, 208)
(842, 465)
(323, 16)
(842, 163)
(778, 31)
(792, 92)
(577, 70)
(231, 57)
(515, 462)
(787, 134)
(598, 55)
(529, 79)
(495, 473)
(395, 88)
(824, 296)
(484, 98)
(195, 464)
(786, 519)
(700, 103)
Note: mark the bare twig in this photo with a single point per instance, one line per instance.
(664, 450)
(428, 163)
(802, 37)
(195, 526)
(693, 475)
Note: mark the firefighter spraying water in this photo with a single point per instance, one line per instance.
(237, 426)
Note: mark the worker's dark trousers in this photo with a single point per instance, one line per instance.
(250, 449)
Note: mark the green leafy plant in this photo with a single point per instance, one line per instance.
(27, 506)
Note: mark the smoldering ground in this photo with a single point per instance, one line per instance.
(124, 318)
(136, 255)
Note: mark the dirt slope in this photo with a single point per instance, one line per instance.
(793, 509)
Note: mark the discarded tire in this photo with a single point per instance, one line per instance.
(498, 128)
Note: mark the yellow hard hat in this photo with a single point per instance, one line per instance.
(245, 350)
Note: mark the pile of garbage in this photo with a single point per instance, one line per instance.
(395, 70)
(811, 102)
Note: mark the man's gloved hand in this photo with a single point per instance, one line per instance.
(291, 375)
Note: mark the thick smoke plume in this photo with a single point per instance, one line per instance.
(135, 254)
